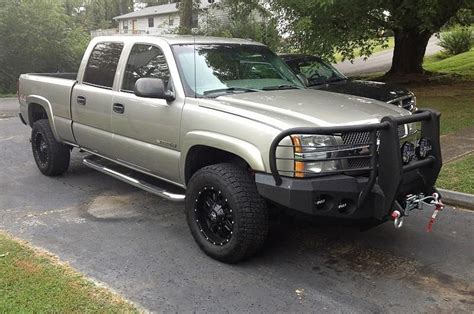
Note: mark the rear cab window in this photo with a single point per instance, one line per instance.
(102, 65)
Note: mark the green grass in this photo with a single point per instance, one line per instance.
(32, 282)
(458, 175)
(455, 101)
(461, 64)
(7, 95)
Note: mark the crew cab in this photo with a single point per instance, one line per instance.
(319, 74)
(234, 133)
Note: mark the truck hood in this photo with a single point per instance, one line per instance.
(299, 108)
(374, 90)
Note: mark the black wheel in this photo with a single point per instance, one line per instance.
(52, 157)
(226, 215)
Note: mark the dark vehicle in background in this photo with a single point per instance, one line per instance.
(319, 74)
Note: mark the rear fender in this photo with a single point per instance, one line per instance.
(46, 105)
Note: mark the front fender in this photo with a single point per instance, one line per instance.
(247, 151)
(43, 102)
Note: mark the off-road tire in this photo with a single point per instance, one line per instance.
(249, 211)
(44, 144)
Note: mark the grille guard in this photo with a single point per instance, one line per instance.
(386, 167)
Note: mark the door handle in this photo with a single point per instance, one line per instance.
(81, 100)
(119, 108)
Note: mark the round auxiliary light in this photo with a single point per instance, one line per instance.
(424, 147)
(408, 152)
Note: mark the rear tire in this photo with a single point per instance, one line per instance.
(51, 157)
(226, 215)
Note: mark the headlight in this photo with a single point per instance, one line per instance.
(309, 149)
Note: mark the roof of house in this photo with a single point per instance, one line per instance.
(149, 11)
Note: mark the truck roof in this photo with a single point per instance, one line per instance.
(179, 39)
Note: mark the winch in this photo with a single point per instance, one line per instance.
(420, 202)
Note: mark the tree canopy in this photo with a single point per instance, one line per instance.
(327, 26)
(37, 36)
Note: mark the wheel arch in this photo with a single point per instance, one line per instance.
(40, 108)
(202, 148)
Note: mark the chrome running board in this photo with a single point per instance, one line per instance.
(135, 182)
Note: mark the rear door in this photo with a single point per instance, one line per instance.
(147, 130)
(92, 97)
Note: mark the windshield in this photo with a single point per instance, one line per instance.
(316, 70)
(211, 70)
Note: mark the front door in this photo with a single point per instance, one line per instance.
(134, 26)
(147, 130)
(91, 102)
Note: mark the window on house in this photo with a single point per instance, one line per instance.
(102, 64)
(145, 61)
(171, 21)
(125, 26)
(151, 22)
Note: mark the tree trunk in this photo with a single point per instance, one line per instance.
(186, 8)
(409, 51)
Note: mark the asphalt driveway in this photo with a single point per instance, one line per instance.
(140, 246)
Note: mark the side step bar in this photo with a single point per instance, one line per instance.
(135, 182)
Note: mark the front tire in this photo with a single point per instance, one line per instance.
(226, 215)
(51, 157)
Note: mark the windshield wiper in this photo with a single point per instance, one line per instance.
(280, 87)
(328, 81)
(339, 79)
(229, 90)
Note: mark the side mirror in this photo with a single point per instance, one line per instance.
(303, 79)
(152, 88)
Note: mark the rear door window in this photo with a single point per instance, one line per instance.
(102, 65)
(145, 61)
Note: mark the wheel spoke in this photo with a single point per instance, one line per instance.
(214, 216)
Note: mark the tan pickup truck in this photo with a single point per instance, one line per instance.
(230, 125)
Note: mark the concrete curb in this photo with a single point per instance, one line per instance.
(456, 198)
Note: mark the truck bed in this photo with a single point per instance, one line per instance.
(52, 91)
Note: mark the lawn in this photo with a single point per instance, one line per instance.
(7, 95)
(455, 101)
(458, 175)
(34, 282)
(452, 92)
(460, 65)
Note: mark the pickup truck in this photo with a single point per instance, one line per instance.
(228, 124)
(319, 74)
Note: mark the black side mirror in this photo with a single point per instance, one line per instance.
(153, 88)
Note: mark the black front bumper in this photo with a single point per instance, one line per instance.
(372, 195)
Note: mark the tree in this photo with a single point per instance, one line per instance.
(186, 16)
(37, 36)
(100, 13)
(244, 19)
(326, 26)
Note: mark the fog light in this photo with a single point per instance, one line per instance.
(424, 147)
(408, 152)
(345, 206)
(320, 202)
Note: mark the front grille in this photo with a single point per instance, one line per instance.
(357, 139)
(407, 102)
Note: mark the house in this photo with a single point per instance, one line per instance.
(161, 19)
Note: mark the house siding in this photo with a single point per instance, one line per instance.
(161, 21)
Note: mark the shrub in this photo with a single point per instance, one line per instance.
(456, 41)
